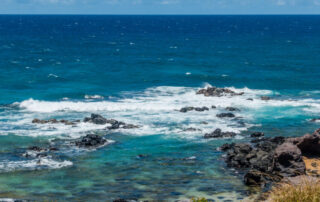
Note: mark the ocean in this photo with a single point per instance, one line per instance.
(142, 70)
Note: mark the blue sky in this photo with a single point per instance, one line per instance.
(160, 6)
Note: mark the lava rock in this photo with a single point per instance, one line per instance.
(226, 147)
(91, 141)
(254, 178)
(257, 134)
(217, 92)
(288, 160)
(219, 134)
(198, 109)
(225, 115)
(186, 109)
(96, 119)
(201, 109)
(308, 144)
(232, 109)
(54, 121)
(265, 98)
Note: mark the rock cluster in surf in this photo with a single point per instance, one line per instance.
(267, 160)
(54, 121)
(217, 92)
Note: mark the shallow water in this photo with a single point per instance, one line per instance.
(141, 70)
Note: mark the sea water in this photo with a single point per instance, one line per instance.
(142, 70)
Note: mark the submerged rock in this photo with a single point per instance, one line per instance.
(91, 140)
(232, 109)
(219, 134)
(217, 92)
(198, 109)
(186, 109)
(257, 134)
(201, 109)
(225, 115)
(118, 124)
(100, 120)
(55, 121)
(191, 129)
(265, 98)
(36, 151)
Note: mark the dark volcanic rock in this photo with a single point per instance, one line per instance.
(198, 109)
(226, 147)
(96, 119)
(308, 144)
(91, 141)
(54, 121)
(118, 124)
(254, 178)
(257, 134)
(191, 129)
(268, 159)
(223, 115)
(232, 109)
(217, 92)
(186, 109)
(219, 134)
(201, 109)
(288, 160)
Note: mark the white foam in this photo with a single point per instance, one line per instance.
(53, 75)
(93, 97)
(155, 110)
(41, 163)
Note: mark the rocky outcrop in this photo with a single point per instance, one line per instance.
(55, 121)
(219, 134)
(288, 160)
(271, 159)
(217, 92)
(90, 141)
(308, 144)
(263, 160)
(96, 119)
(198, 109)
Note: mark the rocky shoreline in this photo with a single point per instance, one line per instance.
(266, 161)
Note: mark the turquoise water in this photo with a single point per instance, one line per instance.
(141, 70)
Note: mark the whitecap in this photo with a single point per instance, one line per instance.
(156, 111)
(53, 75)
(93, 97)
(34, 164)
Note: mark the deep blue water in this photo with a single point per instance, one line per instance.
(143, 68)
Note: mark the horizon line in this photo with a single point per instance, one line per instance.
(227, 14)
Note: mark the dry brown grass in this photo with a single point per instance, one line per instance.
(298, 189)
